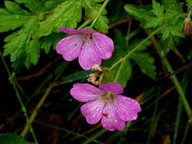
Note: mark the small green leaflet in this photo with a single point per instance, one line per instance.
(143, 59)
(120, 73)
(23, 49)
(66, 14)
(13, 139)
(166, 15)
(145, 62)
(91, 11)
(33, 6)
(12, 17)
(52, 39)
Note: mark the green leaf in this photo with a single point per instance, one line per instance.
(66, 14)
(23, 49)
(12, 139)
(11, 21)
(172, 31)
(52, 39)
(154, 22)
(32, 5)
(33, 50)
(139, 12)
(14, 8)
(158, 10)
(76, 76)
(167, 15)
(172, 6)
(120, 73)
(168, 44)
(91, 10)
(145, 62)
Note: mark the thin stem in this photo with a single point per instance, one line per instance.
(23, 108)
(39, 105)
(35, 112)
(181, 69)
(133, 50)
(141, 43)
(174, 78)
(99, 13)
(178, 88)
(128, 32)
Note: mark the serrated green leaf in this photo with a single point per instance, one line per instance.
(14, 8)
(139, 12)
(33, 51)
(52, 39)
(91, 10)
(12, 139)
(11, 21)
(120, 73)
(168, 44)
(66, 14)
(154, 22)
(158, 10)
(172, 31)
(23, 49)
(51, 4)
(172, 6)
(32, 5)
(145, 62)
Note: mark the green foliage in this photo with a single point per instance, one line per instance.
(76, 76)
(12, 139)
(91, 11)
(66, 14)
(121, 73)
(166, 16)
(144, 32)
(38, 26)
(12, 17)
(22, 47)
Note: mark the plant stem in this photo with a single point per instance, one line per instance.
(99, 13)
(39, 105)
(133, 50)
(174, 78)
(23, 108)
(178, 88)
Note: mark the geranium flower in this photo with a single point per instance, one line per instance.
(89, 46)
(106, 104)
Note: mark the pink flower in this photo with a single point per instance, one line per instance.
(107, 104)
(89, 46)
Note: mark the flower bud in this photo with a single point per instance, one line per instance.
(187, 26)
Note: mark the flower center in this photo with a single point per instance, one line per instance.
(107, 97)
(86, 36)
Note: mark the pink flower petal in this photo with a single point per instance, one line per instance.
(85, 92)
(126, 108)
(70, 47)
(88, 56)
(93, 111)
(73, 31)
(103, 45)
(110, 121)
(115, 88)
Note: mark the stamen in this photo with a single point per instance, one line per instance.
(105, 114)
